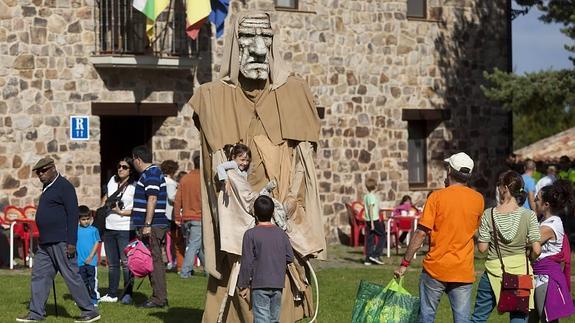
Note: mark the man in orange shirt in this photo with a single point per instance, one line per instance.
(188, 214)
(451, 218)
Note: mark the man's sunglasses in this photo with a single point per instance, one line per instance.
(124, 167)
(43, 170)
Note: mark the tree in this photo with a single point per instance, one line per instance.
(542, 103)
(557, 11)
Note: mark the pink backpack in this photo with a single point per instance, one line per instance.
(139, 258)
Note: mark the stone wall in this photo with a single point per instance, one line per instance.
(365, 62)
(46, 76)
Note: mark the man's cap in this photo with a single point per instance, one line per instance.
(46, 161)
(459, 162)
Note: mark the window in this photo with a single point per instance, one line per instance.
(122, 30)
(416, 8)
(286, 4)
(417, 152)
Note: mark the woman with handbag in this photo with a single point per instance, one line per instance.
(509, 233)
(120, 199)
(552, 283)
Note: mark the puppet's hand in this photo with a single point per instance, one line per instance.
(271, 185)
(290, 204)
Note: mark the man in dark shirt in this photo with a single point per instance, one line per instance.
(266, 251)
(57, 220)
(149, 218)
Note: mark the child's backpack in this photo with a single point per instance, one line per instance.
(139, 258)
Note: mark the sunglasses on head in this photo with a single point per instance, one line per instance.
(43, 170)
(124, 167)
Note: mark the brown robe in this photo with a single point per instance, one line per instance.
(279, 122)
(226, 114)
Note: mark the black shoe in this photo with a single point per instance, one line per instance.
(150, 304)
(88, 317)
(28, 318)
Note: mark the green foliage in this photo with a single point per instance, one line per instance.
(557, 11)
(542, 103)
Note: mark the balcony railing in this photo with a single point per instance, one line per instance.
(121, 30)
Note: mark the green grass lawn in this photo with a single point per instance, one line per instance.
(338, 277)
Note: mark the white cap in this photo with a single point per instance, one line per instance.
(459, 161)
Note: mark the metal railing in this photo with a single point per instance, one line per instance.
(121, 30)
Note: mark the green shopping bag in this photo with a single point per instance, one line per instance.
(390, 304)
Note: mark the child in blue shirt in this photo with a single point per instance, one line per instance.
(86, 248)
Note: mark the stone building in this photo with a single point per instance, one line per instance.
(397, 84)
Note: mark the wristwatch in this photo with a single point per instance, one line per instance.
(147, 225)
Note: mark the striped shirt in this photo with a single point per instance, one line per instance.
(151, 183)
(516, 229)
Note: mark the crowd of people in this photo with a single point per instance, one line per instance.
(145, 201)
(523, 235)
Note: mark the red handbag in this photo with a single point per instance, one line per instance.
(515, 289)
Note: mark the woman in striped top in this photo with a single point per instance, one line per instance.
(518, 233)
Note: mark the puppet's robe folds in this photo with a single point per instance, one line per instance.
(281, 127)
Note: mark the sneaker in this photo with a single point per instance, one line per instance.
(172, 266)
(93, 317)
(185, 275)
(376, 260)
(28, 318)
(150, 304)
(367, 263)
(126, 300)
(108, 299)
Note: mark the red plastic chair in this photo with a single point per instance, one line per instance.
(25, 229)
(11, 214)
(29, 234)
(30, 212)
(394, 234)
(356, 221)
(404, 224)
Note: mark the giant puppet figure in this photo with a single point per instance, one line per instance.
(259, 103)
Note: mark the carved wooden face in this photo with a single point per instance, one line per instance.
(255, 37)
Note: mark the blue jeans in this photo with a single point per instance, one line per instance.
(193, 236)
(114, 243)
(430, 291)
(266, 303)
(485, 303)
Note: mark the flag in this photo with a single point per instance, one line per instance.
(151, 9)
(197, 12)
(218, 15)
